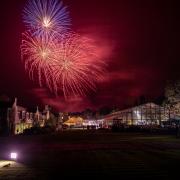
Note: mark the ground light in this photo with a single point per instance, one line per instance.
(13, 155)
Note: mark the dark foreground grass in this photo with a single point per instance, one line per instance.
(92, 154)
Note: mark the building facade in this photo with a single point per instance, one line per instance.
(19, 119)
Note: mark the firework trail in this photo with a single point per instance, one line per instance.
(38, 55)
(77, 68)
(45, 17)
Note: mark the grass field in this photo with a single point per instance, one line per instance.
(91, 154)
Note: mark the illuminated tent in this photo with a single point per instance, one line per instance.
(74, 121)
(145, 114)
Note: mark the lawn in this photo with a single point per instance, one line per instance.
(92, 154)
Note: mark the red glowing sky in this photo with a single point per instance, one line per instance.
(137, 38)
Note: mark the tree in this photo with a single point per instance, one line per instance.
(172, 98)
(172, 93)
(104, 110)
(52, 121)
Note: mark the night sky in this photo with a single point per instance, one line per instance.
(139, 39)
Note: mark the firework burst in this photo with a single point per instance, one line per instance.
(71, 65)
(45, 17)
(38, 55)
(61, 60)
(77, 68)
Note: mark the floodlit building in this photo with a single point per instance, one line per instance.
(19, 119)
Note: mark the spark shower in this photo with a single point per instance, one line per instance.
(56, 56)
